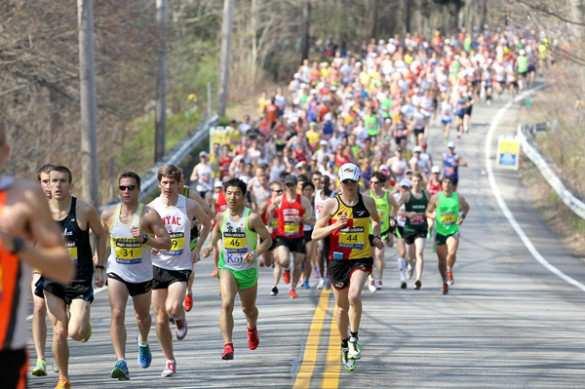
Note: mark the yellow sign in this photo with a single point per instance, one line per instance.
(508, 152)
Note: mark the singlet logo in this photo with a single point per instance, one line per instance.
(172, 220)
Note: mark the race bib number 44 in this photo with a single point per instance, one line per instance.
(352, 237)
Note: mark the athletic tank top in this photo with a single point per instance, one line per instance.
(419, 206)
(14, 290)
(319, 203)
(450, 168)
(129, 259)
(178, 225)
(384, 210)
(447, 214)
(238, 239)
(400, 219)
(290, 218)
(77, 243)
(352, 241)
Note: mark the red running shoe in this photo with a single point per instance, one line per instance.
(253, 340)
(450, 279)
(293, 294)
(286, 277)
(228, 352)
(188, 303)
(445, 288)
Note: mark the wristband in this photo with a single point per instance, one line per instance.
(17, 245)
(101, 267)
(144, 239)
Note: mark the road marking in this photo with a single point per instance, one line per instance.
(504, 207)
(96, 291)
(305, 373)
(333, 361)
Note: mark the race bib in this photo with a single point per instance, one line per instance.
(127, 251)
(352, 238)
(177, 243)
(291, 228)
(72, 249)
(449, 218)
(234, 243)
(418, 219)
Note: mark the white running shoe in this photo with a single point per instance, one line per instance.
(321, 283)
(170, 369)
(354, 349)
(181, 328)
(372, 286)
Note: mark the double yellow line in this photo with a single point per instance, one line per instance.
(332, 370)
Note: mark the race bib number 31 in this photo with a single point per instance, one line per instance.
(128, 251)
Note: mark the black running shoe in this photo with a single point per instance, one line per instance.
(274, 291)
(417, 285)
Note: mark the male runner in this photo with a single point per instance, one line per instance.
(133, 229)
(28, 238)
(416, 228)
(239, 229)
(39, 325)
(292, 210)
(68, 305)
(172, 267)
(451, 164)
(386, 206)
(448, 208)
(346, 220)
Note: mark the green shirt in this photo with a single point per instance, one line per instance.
(447, 214)
(384, 208)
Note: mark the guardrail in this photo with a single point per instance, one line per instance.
(150, 179)
(568, 198)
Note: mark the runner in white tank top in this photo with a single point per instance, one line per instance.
(134, 230)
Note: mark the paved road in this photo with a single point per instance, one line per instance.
(507, 323)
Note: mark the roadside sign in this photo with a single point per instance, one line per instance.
(508, 152)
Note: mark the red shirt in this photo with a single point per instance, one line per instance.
(290, 218)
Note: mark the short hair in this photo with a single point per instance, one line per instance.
(237, 183)
(46, 168)
(170, 171)
(63, 169)
(418, 175)
(275, 182)
(132, 175)
(308, 184)
(380, 176)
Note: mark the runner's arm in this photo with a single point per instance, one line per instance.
(94, 223)
(431, 207)
(309, 216)
(255, 223)
(204, 221)
(464, 209)
(48, 255)
(160, 239)
(322, 228)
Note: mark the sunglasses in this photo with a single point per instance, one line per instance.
(348, 182)
(124, 188)
(276, 190)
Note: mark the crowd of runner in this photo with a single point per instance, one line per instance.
(332, 173)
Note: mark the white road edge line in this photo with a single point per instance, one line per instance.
(96, 291)
(502, 204)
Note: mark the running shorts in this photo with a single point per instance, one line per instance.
(410, 237)
(245, 279)
(162, 278)
(294, 245)
(134, 289)
(399, 232)
(340, 272)
(442, 239)
(68, 293)
(308, 235)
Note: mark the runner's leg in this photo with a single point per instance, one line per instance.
(228, 290)
(142, 312)
(79, 320)
(57, 311)
(118, 295)
(163, 330)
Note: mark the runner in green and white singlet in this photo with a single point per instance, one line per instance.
(239, 228)
(448, 208)
(387, 207)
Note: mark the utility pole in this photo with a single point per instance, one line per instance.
(160, 115)
(224, 62)
(89, 168)
(306, 40)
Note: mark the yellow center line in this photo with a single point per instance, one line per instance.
(305, 373)
(333, 362)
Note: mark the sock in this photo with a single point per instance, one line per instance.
(140, 343)
(354, 335)
(344, 342)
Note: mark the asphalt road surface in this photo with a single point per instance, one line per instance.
(508, 322)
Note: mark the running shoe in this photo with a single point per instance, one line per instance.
(410, 271)
(379, 285)
(274, 291)
(40, 369)
(120, 371)
(253, 339)
(348, 364)
(417, 285)
(63, 383)
(84, 340)
(144, 356)
(214, 272)
(306, 285)
(286, 277)
(450, 280)
(181, 330)
(188, 303)
(170, 368)
(445, 288)
(293, 294)
(403, 285)
(354, 349)
(321, 283)
(372, 286)
(228, 352)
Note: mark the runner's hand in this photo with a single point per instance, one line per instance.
(195, 257)
(250, 256)
(378, 243)
(136, 232)
(342, 221)
(206, 252)
(100, 277)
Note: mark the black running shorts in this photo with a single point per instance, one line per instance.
(134, 289)
(162, 278)
(340, 271)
